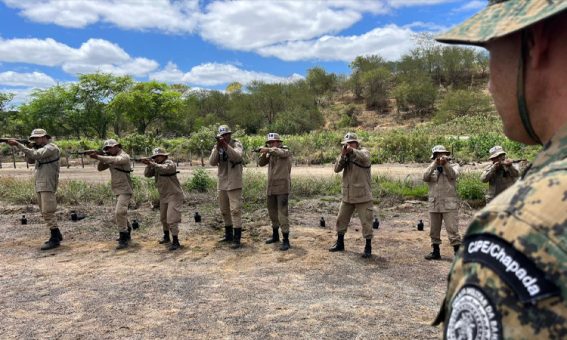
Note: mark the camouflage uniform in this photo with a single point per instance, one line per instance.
(278, 160)
(499, 176)
(356, 191)
(229, 186)
(46, 181)
(510, 280)
(170, 195)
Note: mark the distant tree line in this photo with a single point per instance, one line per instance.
(429, 78)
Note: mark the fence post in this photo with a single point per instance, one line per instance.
(13, 157)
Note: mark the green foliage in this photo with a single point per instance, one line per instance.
(376, 86)
(200, 181)
(385, 187)
(320, 82)
(415, 97)
(469, 186)
(459, 103)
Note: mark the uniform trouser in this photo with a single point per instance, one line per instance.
(278, 211)
(121, 211)
(48, 206)
(170, 215)
(230, 202)
(451, 224)
(365, 213)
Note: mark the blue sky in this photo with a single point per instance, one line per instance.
(206, 44)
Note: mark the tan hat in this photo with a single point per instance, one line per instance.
(272, 136)
(110, 143)
(350, 137)
(438, 149)
(159, 152)
(223, 130)
(38, 133)
(500, 18)
(496, 151)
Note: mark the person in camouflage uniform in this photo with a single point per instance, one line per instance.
(227, 157)
(171, 195)
(354, 162)
(441, 177)
(118, 163)
(278, 159)
(46, 157)
(510, 279)
(500, 175)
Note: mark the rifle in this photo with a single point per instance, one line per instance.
(21, 141)
(141, 159)
(88, 152)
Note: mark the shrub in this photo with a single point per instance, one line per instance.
(469, 186)
(200, 182)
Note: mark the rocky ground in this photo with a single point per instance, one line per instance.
(88, 290)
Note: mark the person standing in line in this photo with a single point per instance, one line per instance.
(500, 175)
(227, 157)
(278, 158)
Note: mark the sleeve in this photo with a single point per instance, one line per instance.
(513, 171)
(281, 153)
(429, 172)
(37, 154)
(235, 153)
(214, 157)
(361, 156)
(263, 159)
(149, 171)
(121, 159)
(488, 173)
(340, 163)
(168, 167)
(451, 170)
(102, 166)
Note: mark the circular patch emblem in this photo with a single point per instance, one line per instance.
(473, 316)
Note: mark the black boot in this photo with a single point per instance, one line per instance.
(54, 240)
(123, 240)
(368, 249)
(228, 235)
(456, 248)
(165, 238)
(237, 236)
(129, 233)
(340, 244)
(435, 254)
(175, 244)
(275, 236)
(285, 244)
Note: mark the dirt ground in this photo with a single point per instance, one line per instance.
(88, 290)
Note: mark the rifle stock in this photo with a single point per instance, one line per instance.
(88, 152)
(21, 141)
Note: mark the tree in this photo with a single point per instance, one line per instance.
(361, 65)
(416, 97)
(458, 103)
(376, 85)
(146, 103)
(234, 87)
(320, 82)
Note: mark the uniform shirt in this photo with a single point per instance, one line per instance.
(120, 169)
(46, 166)
(356, 176)
(499, 178)
(279, 170)
(442, 187)
(510, 279)
(229, 164)
(166, 179)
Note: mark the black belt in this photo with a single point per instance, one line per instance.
(235, 163)
(124, 171)
(42, 163)
(362, 166)
(168, 175)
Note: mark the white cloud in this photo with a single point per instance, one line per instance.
(213, 74)
(20, 95)
(408, 3)
(178, 16)
(34, 79)
(428, 26)
(93, 55)
(390, 42)
(472, 6)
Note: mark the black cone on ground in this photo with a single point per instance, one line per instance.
(376, 223)
(420, 225)
(197, 217)
(322, 222)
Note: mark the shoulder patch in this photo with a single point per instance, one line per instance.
(473, 316)
(513, 267)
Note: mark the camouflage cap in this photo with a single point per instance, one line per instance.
(272, 136)
(37, 133)
(438, 149)
(159, 152)
(500, 18)
(223, 130)
(496, 151)
(350, 137)
(110, 143)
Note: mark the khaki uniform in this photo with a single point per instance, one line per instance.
(499, 178)
(229, 164)
(170, 194)
(121, 184)
(46, 179)
(279, 185)
(356, 191)
(443, 201)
